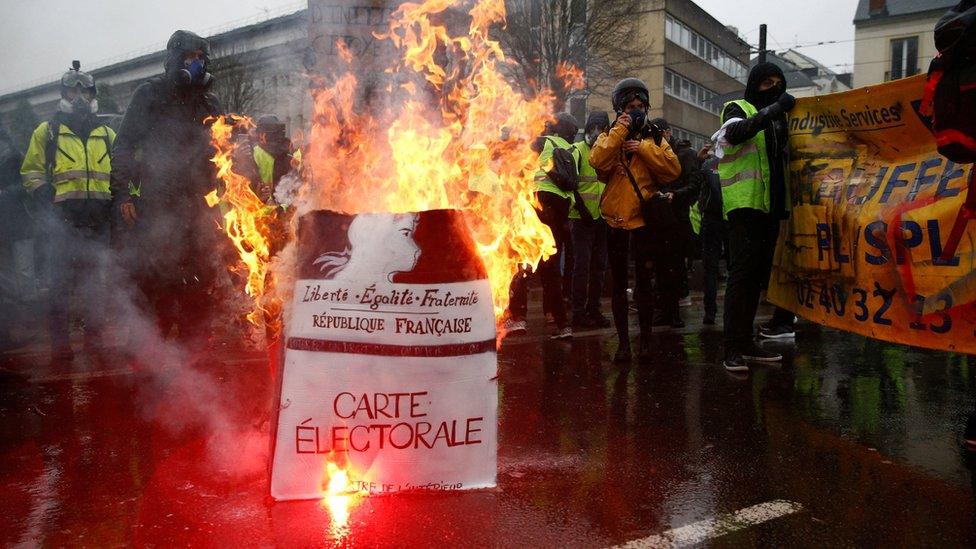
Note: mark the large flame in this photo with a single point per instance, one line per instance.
(445, 130)
(246, 220)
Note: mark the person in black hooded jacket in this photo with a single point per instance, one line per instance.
(161, 173)
(752, 231)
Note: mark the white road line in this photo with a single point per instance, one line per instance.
(702, 530)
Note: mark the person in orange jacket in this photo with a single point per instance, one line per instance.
(631, 154)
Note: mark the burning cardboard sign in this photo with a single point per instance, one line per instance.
(390, 360)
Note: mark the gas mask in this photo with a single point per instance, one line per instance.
(194, 74)
(79, 105)
(638, 119)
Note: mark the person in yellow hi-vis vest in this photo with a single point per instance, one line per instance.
(69, 161)
(754, 171)
(555, 205)
(589, 236)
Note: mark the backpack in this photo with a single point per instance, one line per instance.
(563, 172)
(950, 89)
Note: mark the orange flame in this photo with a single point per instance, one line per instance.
(453, 133)
(340, 496)
(246, 217)
(444, 130)
(571, 75)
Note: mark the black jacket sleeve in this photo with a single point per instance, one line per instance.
(746, 129)
(691, 176)
(133, 131)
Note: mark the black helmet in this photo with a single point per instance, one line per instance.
(179, 44)
(565, 126)
(627, 90)
(270, 123)
(76, 78)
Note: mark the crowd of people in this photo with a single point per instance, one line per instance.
(630, 204)
(615, 193)
(121, 214)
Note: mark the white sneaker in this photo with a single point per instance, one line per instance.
(685, 302)
(563, 333)
(514, 326)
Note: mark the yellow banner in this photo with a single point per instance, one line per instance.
(874, 205)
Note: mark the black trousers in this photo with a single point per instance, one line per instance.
(752, 241)
(667, 261)
(622, 245)
(554, 213)
(714, 237)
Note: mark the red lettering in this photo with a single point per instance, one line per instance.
(352, 441)
(335, 406)
(409, 436)
(469, 431)
(420, 434)
(414, 404)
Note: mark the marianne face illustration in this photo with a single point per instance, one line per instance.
(380, 245)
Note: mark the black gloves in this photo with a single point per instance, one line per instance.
(786, 101)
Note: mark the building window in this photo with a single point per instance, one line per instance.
(697, 140)
(678, 86)
(684, 36)
(904, 58)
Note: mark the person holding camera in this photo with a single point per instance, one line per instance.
(755, 198)
(637, 162)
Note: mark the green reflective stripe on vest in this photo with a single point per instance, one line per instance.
(590, 188)
(79, 174)
(265, 164)
(744, 170)
(542, 183)
(82, 195)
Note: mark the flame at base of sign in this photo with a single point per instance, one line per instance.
(340, 497)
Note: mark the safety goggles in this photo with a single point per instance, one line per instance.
(77, 78)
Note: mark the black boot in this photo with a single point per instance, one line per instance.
(644, 348)
(623, 353)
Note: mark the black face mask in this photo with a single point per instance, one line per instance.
(638, 119)
(768, 97)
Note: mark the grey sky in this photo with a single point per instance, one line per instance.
(39, 38)
(792, 22)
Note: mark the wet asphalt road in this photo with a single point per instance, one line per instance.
(861, 437)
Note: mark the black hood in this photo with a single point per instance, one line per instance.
(759, 73)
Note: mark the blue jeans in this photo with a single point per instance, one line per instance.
(589, 265)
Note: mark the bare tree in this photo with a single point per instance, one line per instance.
(604, 38)
(236, 85)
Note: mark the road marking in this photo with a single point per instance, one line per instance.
(697, 532)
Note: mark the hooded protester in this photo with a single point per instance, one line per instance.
(162, 173)
(69, 163)
(635, 159)
(589, 236)
(755, 198)
(555, 204)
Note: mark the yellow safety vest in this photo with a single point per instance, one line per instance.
(590, 188)
(81, 169)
